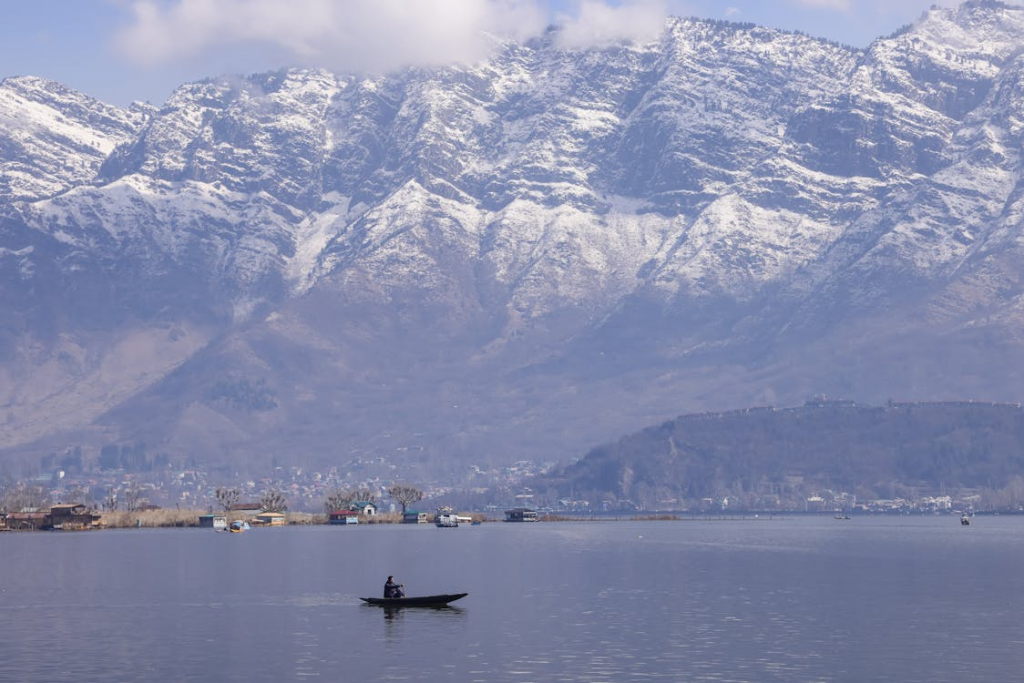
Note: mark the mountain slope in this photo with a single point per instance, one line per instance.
(477, 262)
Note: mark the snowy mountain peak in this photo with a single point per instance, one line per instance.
(727, 205)
(53, 138)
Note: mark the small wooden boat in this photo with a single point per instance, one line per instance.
(417, 600)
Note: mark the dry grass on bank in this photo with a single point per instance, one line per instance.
(121, 519)
(305, 518)
(382, 518)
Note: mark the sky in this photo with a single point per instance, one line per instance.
(125, 50)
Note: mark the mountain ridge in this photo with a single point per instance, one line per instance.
(726, 216)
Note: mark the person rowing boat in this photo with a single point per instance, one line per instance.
(392, 589)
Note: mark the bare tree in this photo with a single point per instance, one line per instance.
(78, 494)
(23, 496)
(405, 494)
(132, 498)
(110, 500)
(364, 494)
(338, 500)
(342, 500)
(226, 497)
(273, 501)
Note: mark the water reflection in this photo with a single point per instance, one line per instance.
(392, 612)
(795, 601)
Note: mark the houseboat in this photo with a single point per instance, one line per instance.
(521, 515)
(72, 516)
(218, 522)
(414, 517)
(344, 517)
(445, 517)
(270, 519)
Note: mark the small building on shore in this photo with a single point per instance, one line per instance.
(66, 516)
(72, 516)
(364, 507)
(27, 519)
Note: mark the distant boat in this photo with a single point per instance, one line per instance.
(964, 519)
(842, 516)
(238, 526)
(416, 601)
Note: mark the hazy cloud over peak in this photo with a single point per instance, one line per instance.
(598, 23)
(358, 35)
(378, 36)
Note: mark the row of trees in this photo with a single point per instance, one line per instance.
(19, 496)
(271, 500)
(403, 494)
(275, 501)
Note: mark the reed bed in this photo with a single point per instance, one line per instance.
(164, 517)
(303, 518)
(382, 518)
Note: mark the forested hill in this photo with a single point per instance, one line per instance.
(760, 457)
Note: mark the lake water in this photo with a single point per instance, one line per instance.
(793, 599)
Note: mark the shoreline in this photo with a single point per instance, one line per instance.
(179, 518)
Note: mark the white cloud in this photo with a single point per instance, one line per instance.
(357, 35)
(841, 5)
(370, 36)
(871, 7)
(598, 23)
(378, 36)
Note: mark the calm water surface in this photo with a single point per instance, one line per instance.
(796, 599)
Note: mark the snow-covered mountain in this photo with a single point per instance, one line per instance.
(518, 258)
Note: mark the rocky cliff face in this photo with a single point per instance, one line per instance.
(518, 258)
